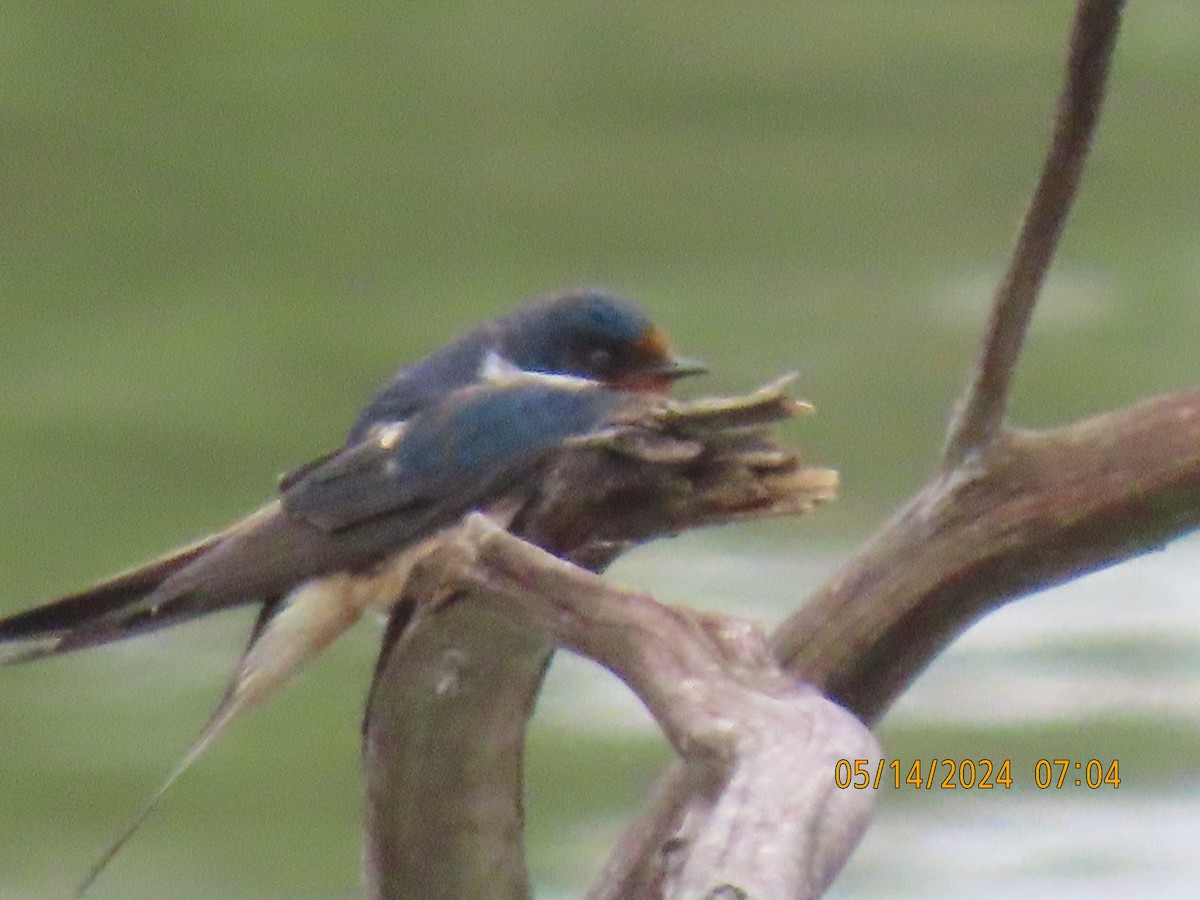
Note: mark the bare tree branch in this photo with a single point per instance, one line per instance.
(1009, 512)
(444, 729)
(759, 751)
(1048, 507)
(981, 411)
(444, 755)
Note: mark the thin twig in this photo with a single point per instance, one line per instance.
(981, 411)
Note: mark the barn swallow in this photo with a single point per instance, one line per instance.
(465, 429)
(342, 539)
(586, 334)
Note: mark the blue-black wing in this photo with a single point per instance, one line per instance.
(481, 445)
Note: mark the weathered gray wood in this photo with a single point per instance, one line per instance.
(444, 728)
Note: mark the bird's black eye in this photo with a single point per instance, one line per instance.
(598, 359)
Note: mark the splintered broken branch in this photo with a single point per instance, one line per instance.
(444, 730)
(685, 466)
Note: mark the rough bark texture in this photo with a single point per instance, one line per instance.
(757, 749)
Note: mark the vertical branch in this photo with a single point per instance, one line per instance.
(444, 754)
(981, 411)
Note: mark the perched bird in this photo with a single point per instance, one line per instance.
(466, 429)
(586, 334)
(343, 538)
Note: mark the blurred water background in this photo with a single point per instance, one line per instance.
(224, 223)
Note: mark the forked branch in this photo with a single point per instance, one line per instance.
(1009, 512)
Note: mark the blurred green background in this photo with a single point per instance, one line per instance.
(225, 223)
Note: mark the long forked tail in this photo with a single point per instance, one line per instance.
(289, 632)
(153, 596)
(94, 616)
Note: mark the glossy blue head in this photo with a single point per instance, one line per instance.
(590, 334)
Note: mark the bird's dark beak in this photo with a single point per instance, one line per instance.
(657, 368)
(657, 377)
(678, 367)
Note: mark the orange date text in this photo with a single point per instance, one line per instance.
(924, 774)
